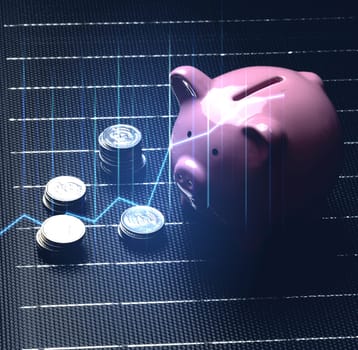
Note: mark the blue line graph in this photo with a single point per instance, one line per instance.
(95, 220)
(23, 216)
(158, 177)
(98, 217)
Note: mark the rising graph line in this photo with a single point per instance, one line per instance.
(98, 217)
(158, 177)
(95, 220)
(23, 216)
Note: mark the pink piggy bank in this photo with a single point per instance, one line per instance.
(254, 145)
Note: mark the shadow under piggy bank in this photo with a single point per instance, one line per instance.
(297, 256)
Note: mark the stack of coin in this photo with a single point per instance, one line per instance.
(120, 150)
(141, 222)
(60, 233)
(64, 193)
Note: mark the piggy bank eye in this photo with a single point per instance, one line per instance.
(215, 152)
(188, 133)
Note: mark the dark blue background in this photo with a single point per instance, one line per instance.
(307, 286)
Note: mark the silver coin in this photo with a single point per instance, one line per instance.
(62, 230)
(141, 221)
(120, 136)
(65, 189)
(46, 244)
(134, 165)
(41, 242)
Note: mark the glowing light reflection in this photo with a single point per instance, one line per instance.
(230, 118)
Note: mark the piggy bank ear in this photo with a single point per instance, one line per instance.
(268, 137)
(189, 82)
(312, 77)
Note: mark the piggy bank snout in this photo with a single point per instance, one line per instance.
(190, 177)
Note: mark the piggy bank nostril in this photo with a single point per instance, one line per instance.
(190, 183)
(179, 177)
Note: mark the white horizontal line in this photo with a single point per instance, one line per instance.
(124, 117)
(351, 110)
(177, 223)
(56, 151)
(76, 87)
(149, 149)
(348, 176)
(102, 185)
(340, 80)
(209, 54)
(17, 187)
(188, 301)
(67, 306)
(92, 118)
(283, 340)
(200, 21)
(154, 149)
(351, 142)
(274, 298)
(200, 343)
(28, 228)
(347, 255)
(23, 228)
(82, 347)
(115, 263)
(340, 217)
(347, 217)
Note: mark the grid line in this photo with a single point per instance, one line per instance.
(188, 301)
(221, 342)
(210, 54)
(202, 21)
